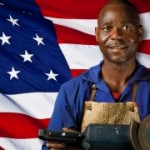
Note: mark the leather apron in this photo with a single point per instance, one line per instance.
(110, 113)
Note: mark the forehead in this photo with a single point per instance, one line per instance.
(118, 13)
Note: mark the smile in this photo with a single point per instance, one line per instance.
(118, 46)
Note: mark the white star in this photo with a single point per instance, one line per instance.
(4, 38)
(13, 21)
(2, 4)
(26, 12)
(51, 75)
(13, 73)
(27, 56)
(39, 40)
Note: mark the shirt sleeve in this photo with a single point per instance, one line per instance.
(63, 115)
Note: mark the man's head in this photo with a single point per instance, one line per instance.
(118, 32)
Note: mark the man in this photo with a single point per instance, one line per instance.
(119, 79)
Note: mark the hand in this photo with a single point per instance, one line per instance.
(61, 146)
(56, 145)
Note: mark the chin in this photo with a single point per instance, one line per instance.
(119, 61)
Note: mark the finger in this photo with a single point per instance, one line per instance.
(69, 130)
(56, 145)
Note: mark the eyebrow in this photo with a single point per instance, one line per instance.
(111, 23)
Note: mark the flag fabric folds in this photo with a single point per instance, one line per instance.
(44, 43)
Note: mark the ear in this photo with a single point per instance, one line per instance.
(141, 32)
(97, 33)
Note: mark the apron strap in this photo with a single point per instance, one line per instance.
(134, 90)
(93, 92)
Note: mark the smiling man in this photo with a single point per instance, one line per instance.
(115, 91)
(118, 35)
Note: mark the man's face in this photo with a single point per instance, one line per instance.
(118, 33)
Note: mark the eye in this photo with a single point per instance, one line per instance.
(128, 28)
(106, 28)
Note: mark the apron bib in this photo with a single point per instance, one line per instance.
(110, 113)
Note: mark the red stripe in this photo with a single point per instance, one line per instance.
(81, 9)
(68, 35)
(14, 125)
(141, 5)
(71, 8)
(1, 148)
(145, 47)
(76, 72)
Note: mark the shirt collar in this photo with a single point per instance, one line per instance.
(93, 74)
(141, 73)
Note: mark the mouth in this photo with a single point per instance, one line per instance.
(117, 48)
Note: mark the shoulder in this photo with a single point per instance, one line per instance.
(142, 73)
(74, 82)
(91, 75)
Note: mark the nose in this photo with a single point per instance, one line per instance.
(116, 33)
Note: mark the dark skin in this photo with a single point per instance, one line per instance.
(118, 35)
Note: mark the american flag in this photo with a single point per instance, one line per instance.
(44, 43)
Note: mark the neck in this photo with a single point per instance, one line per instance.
(117, 76)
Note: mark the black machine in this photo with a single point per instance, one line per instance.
(135, 136)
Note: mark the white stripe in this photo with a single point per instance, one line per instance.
(145, 21)
(83, 25)
(88, 25)
(21, 144)
(81, 56)
(37, 105)
(86, 56)
(144, 59)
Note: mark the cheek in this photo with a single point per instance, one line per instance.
(134, 43)
(102, 38)
(133, 37)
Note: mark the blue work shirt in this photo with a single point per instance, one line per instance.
(69, 106)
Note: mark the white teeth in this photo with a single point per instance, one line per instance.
(117, 46)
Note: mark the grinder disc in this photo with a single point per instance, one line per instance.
(144, 133)
(134, 127)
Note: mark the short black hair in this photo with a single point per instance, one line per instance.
(126, 2)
